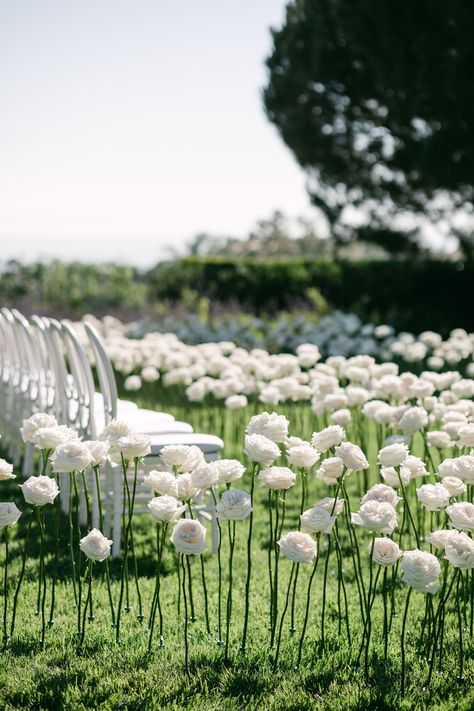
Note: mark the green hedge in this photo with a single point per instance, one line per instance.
(413, 296)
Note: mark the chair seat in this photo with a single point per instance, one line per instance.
(146, 422)
(210, 444)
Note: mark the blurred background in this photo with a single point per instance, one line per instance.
(239, 170)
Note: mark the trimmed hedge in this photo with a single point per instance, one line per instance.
(414, 296)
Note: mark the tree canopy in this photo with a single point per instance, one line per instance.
(376, 101)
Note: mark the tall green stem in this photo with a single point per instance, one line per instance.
(231, 532)
(101, 523)
(22, 572)
(5, 587)
(249, 564)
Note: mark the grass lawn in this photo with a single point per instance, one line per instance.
(105, 675)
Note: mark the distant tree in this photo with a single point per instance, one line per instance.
(376, 101)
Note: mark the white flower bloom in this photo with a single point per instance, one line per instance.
(455, 486)
(133, 383)
(352, 456)
(272, 426)
(328, 504)
(95, 545)
(438, 538)
(234, 505)
(71, 456)
(34, 423)
(420, 570)
(342, 417)
(317, 520)
(391, 478)
(185, 458)
(150, 374)
(328, 437)
(394, 455)
(385, 552)
(6, 470)
(132, 446)
(114, 431)
(466, 436)
(459, 550)
(204, 476)
(189, 537)
(261, 449)
(464, 468)
(163, 482)
(277, 478)
(377, 516)
(438, 439)
(52, 437)
(39, 490)
(381, 492)
(433, 497)
(447, 468)
(415, 466)
(229, 470)
(99, 450)
(303, 456)
(9, 514)
(461, 515)
(236, 402)
(298, 547)
(330, 470)
(413, 420)
(165, 508)
(186, 488)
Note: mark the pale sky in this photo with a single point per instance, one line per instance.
(130, 125)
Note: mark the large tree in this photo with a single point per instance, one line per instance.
(376, 100)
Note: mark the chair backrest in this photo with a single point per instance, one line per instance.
(83, 379)
(105, 373)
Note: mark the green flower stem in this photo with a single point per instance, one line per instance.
(5, 587)
(402, 642)
(78, 535)
(185, 605)
(204, 590)
(231, 532)
(40, 514)
(22, 572)
(438, 622)
(342, 585)
(325, 577)
(101, 523)
(276, 549)
(45, 457)
(219, 574)
(88, 601)
(308, 601)
(249, 564)
(192, 616)
(282, 619)
(385, 615)
(71, 535)
(295, 581)
(369, 620)
(354, 553)
(130, 516)
(270, 551)
(57, 518)
(156, 603)
(405, 505)
(458, 610)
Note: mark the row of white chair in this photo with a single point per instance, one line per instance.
(44, 367)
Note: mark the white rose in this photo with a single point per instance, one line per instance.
(352, 456)
(132, 446)
(9, 514)
(317, 520)
(229, 470)
(438, 439)
(204, 476)
(33, 424)
(391, 478)
(413, 420)
(163, 482)
(438, 538)
(186, 488)
(236, 402)
(466, 436)
(447, 468)
(416, 466)
(298, 547)
(277, 478)
(461, 515)
(234, 505)
(433, 497)
(328, 504)
(459, 550)
(272, 426)
(381, 492)
(165, 508)
(328, 437)
(71, 456)
(99, 450)
(330, 470)
(464, 468)
(39, 490)
(189, 537)
(394, 455)
(261, 449)
(377, 516)
(95, 545)
(184, 457)
(6, 470)
(455, 486)
(196, 392)
(385, 552)
(150, 374)
(342, 417)
(132, 383)
(420, 570)
(52, 437)
(114, 431)
(302, 456)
